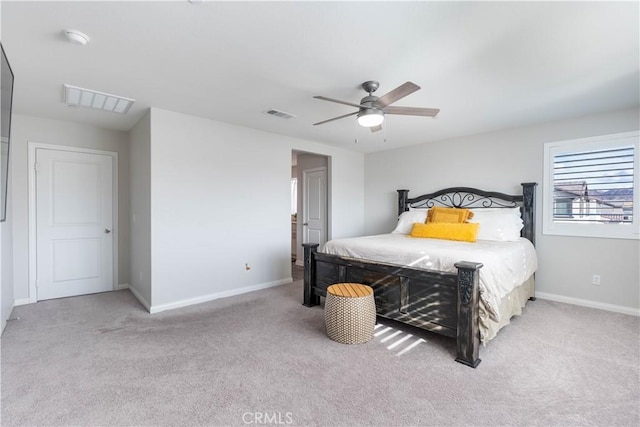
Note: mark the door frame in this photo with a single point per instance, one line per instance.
(329, 170)
(32, 148)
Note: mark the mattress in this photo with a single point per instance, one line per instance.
(506, 265)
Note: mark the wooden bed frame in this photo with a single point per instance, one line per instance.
(441, 302)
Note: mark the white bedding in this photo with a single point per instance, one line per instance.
(506, 265)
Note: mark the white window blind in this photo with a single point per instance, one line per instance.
(594, 186)
(590, 187)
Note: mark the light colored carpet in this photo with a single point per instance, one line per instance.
(263, 358)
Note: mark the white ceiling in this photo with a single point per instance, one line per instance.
(486, 65)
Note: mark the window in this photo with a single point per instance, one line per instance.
(589, 187)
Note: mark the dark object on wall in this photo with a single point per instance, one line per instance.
(6, 98)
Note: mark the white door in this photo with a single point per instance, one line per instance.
(74, 217)
(314, 225)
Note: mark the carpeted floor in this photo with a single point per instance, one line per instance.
(263, 358)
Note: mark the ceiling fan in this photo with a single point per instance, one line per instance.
(372, 109)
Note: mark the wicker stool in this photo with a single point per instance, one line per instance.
(350, 313)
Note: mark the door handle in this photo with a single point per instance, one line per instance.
(305, 224)
(107, 231)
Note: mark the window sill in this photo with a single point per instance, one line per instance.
(608, 231)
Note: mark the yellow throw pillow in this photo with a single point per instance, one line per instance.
(464, 232)
(448, 215)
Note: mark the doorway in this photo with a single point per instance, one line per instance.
(72, 215)
(313, 177)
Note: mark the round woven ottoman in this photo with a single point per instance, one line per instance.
(350, 313)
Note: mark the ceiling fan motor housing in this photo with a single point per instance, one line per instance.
(368, 102)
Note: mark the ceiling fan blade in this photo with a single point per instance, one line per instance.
(375, 128)
(336, 118)
(412, 111)
(324, 98)
(398, 93)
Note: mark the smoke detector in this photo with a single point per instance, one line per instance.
(77, 37)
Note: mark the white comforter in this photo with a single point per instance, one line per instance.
(506, 265)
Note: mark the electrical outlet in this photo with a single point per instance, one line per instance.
(595, 280)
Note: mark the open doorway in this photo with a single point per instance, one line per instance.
(310, 222)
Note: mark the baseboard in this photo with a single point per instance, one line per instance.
(5, 321)
(587, 303)
(140, 298)
(22, 301)
(121, 286)
(218, 295)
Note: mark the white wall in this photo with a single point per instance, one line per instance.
(6, 266)
(26, 129)
(140, 206)
(220, 200)
(501, 161)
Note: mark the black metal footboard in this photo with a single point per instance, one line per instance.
(441, 302)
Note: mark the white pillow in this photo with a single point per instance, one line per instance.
(498, 224)
(406, 220)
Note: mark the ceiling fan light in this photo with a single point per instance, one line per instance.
(370, 118)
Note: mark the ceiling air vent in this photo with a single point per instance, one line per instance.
(280, 114)
(77, 96)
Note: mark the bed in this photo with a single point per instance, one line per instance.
(467, 291)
